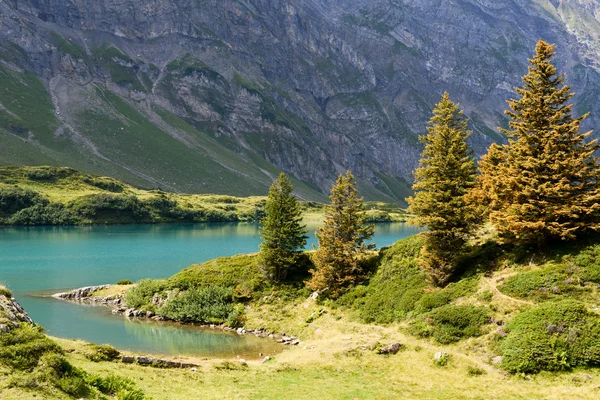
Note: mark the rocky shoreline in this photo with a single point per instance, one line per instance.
(117, 303)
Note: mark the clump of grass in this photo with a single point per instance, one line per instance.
(4, 291)
(475, 371)
(231, 366)
(98, 353)
(123, 282)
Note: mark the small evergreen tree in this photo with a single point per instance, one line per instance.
(545, 184)
(342, 240)
(282, 230)
(445, 177)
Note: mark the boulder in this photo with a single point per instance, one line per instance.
(128, 359)
(393, 348)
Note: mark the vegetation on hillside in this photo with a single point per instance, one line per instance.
(63, 196)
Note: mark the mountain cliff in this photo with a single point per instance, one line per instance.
(218, 96)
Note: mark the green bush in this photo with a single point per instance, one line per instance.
(124, 282)
(48, 214)
(140, 296)
(111, 209)
(451, 323)
(589, 262)
(13, 199)
(108, 184)
(42, 175)
(548, 283)
(98, 353)
(553, 336)
(212, 304)
(442, 297)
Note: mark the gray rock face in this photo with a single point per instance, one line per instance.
(313, 87)
(11, 314)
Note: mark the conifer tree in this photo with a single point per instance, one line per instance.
(442, 182)
(546, 183)
(282, 230)
(342, 240)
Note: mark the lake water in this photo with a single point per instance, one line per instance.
(37, 261)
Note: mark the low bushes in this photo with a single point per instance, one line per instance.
(553, 336)
(46, 214)
(14, 199)
(111, 209)
(451, 323)
(212, 304)
(103, 352)
(140, 296)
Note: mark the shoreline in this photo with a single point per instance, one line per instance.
(85, 295)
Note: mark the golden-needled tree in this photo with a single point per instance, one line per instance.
(342, 240)
(546, 184)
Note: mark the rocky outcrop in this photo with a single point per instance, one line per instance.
(87, 295)
(310, 87)
(11, 314)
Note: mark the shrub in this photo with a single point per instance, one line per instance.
(550, 282)
(124, 282)
(13, 199)
(140, 296)
(553, 336)
(48, 214)
(111, 208)
(42, 174)
(451, 323)
(104, 352)
(442, 297)
(109, 184)
(212, 304)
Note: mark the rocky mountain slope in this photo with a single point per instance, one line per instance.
(218, 96)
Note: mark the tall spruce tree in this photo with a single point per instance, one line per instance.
(545, 184)
(342, 240)
(282, 230)
(442, 182)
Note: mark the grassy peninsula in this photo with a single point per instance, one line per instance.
(64, 196)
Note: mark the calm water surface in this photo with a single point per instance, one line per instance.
(45, 260)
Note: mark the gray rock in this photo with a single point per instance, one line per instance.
(439, 355)
(145, 360)
(391, 349)
(128, 359)
(497, 360)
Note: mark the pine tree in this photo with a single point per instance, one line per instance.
(442, 182)
(546, 183)
(342, 240)
(282, 230)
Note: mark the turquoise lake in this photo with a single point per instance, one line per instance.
(38, 261)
